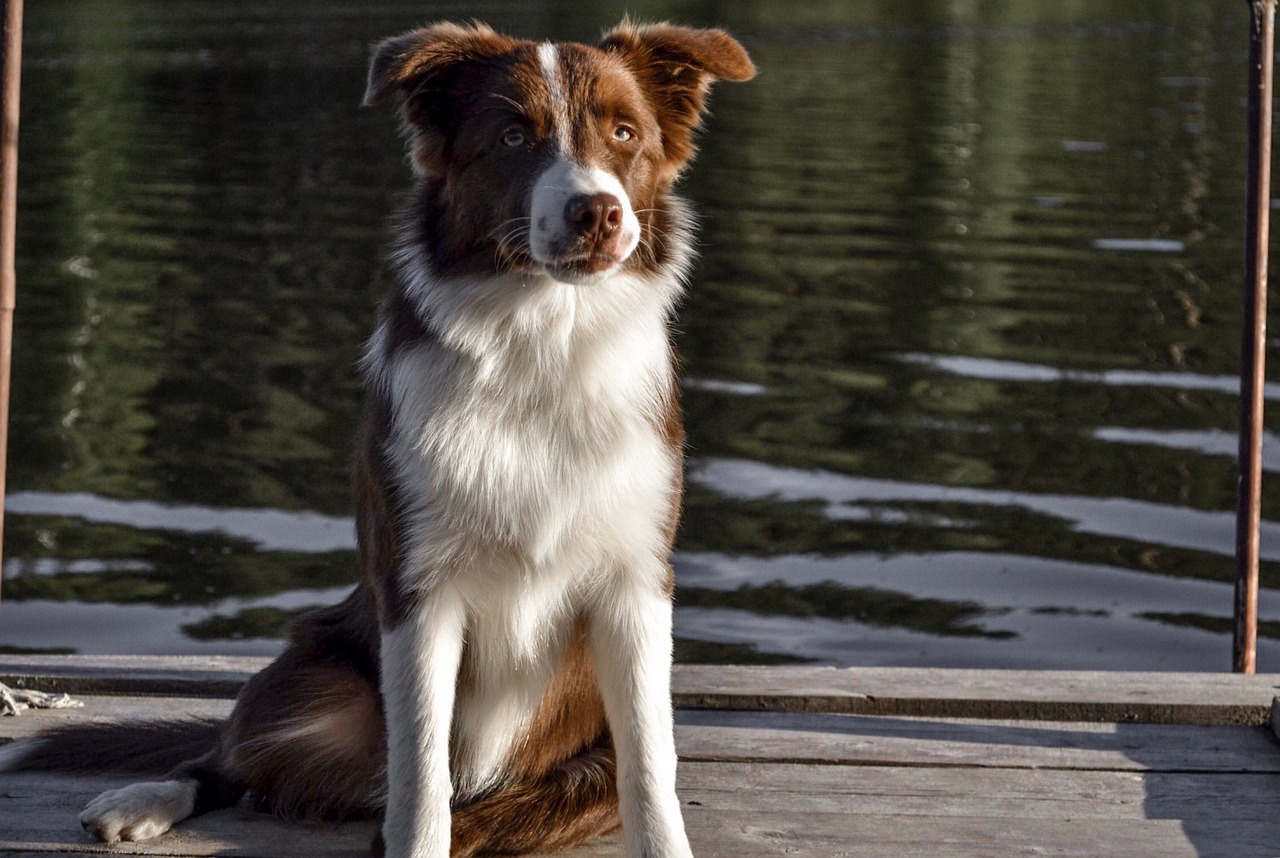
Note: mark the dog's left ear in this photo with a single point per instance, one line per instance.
(677, 66)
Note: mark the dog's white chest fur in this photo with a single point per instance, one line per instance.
(528, 447)
(530, 427)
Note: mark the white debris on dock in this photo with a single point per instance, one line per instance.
(15, 701)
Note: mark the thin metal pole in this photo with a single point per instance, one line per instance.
(11, 62)
(1254, 332)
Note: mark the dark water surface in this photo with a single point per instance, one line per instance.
(960, 352)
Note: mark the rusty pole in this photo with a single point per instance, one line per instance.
(11, 63)
(1253, 340)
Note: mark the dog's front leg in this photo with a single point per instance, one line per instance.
(630, 639)
(420, 657)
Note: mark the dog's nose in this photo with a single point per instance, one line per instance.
(594, 215)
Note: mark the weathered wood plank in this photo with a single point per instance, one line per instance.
(1173, 698)
(735, 835)
(961, 792)
(189, 676)
(1168, 698)
(871, 739)
(114, 708)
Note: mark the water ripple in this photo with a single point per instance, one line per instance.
(993, 369)
(1143, 521)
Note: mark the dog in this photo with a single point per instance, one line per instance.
(499, 680)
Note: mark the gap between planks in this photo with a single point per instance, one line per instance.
(1132, 697)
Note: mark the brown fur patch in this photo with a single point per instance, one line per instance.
(571, 803)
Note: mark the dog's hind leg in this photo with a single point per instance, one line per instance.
(305, 736)
(144, 810)
(307, 739)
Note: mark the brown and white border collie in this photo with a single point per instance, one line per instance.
(499, 682)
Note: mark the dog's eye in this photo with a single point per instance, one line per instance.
(623, 134)
(513, 137)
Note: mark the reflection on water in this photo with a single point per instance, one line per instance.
(1005, 370)
(960, 353)
(862, 500)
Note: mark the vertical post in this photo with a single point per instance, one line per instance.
(11, 68)
(1253, 340)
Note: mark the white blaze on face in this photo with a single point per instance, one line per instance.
(550, 235)
(549, 59)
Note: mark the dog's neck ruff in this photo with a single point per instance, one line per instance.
(483, 318)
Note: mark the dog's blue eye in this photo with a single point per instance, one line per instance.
(622, 134)
(513, 137)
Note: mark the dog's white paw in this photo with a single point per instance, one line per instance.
(139, 811)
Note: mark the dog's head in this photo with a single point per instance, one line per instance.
(551, 158)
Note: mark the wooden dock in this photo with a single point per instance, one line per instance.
(804, 762)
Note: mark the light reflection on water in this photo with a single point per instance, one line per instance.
(959, 356)
(266, 529)
(851, 498)
(1006, 370)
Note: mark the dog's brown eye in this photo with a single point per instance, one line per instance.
(513, 137)
(623, 134)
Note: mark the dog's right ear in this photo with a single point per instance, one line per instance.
(416, 60)
(421, 66)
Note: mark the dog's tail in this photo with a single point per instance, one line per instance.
(185, 754)
(121, 747)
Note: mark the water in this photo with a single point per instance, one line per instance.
(960, 354)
